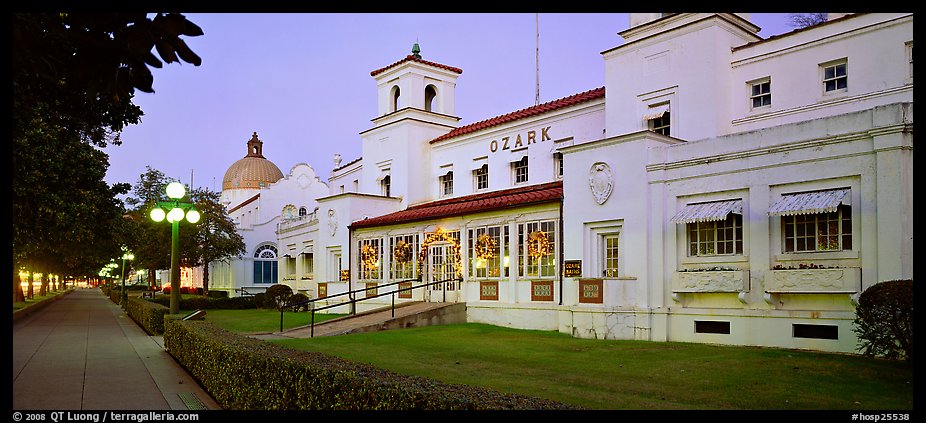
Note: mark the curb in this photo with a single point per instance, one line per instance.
(28, 311)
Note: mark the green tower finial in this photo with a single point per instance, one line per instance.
(416, 50)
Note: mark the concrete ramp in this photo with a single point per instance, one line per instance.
(405, 315)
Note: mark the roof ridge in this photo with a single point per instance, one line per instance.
(549, 106)
(496, 200)
(411, 58)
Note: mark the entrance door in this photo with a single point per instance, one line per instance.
(440, 268)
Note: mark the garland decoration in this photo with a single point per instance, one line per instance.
(368, 256)
(441, 235)
(402, 252)
(485, 247)
(538, 245)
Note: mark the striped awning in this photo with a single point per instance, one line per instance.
(708, 212)
(809, 202)
(656, 111)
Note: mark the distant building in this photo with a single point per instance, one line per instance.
(719, 188)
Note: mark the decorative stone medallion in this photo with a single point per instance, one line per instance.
(332, 222)
(599, 181)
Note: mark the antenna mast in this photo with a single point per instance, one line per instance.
(537, 57)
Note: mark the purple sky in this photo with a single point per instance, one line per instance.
(302, 82)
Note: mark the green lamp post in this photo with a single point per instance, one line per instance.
(176, 212)
(126, 255)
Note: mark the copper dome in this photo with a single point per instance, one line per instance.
(253, 170)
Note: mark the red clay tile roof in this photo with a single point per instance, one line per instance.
(411, 58)
(523, 113)
(508, 198)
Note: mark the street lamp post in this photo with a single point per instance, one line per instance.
(126, 255)
(175, 191)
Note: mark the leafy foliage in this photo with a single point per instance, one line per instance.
(74, 77)
(277, 296)
(884, 320)
(296, 299)
(804, 20)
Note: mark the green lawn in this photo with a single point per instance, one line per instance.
(36, 298)
(261, 320)
(638, 375)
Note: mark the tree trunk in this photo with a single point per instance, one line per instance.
(43, 288)
(30, 288)
(18, 295)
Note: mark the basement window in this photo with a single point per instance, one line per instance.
(712, 326)
(815, 331)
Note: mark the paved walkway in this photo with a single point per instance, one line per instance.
(368, 321)
(83, 352)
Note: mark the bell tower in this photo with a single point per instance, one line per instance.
(415, 104)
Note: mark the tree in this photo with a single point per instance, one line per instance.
(74, 77)
(217, 237)
(214, 238)
(804, 20)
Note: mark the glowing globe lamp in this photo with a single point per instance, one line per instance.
(192, 216)
(158, 214)
(175, 190)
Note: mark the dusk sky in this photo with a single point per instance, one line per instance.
(302, 82)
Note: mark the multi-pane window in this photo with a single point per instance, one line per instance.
(835, 77)
(830, 231)
(308, 266)
(486, 245)
(403, 250)
(371, 258)
(537, 249)
(761, 94)
(660, 124)
(721, 237)
(446, 184)
(387, 185)
(609, 256)
(520, 170)
(481, 177)
(910, 59)
(265, 265)
(558, 165)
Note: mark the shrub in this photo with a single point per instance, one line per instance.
(205, 303)
(884, 320)
(258, 300)
(148, 314)
(244, 373)
(276, 296)
(298, 298)
(217, 294)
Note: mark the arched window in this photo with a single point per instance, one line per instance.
(430, 93)
(265, 264)
(302, 211)
(396, 92)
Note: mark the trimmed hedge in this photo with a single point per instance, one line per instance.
(208, 303)
(244, 373)
(149, 315)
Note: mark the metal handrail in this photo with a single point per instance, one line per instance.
(353, 300)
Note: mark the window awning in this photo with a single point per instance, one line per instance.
(382, 175)
(306, 250)
(809, 202)
(656, 112)
(708, 212)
